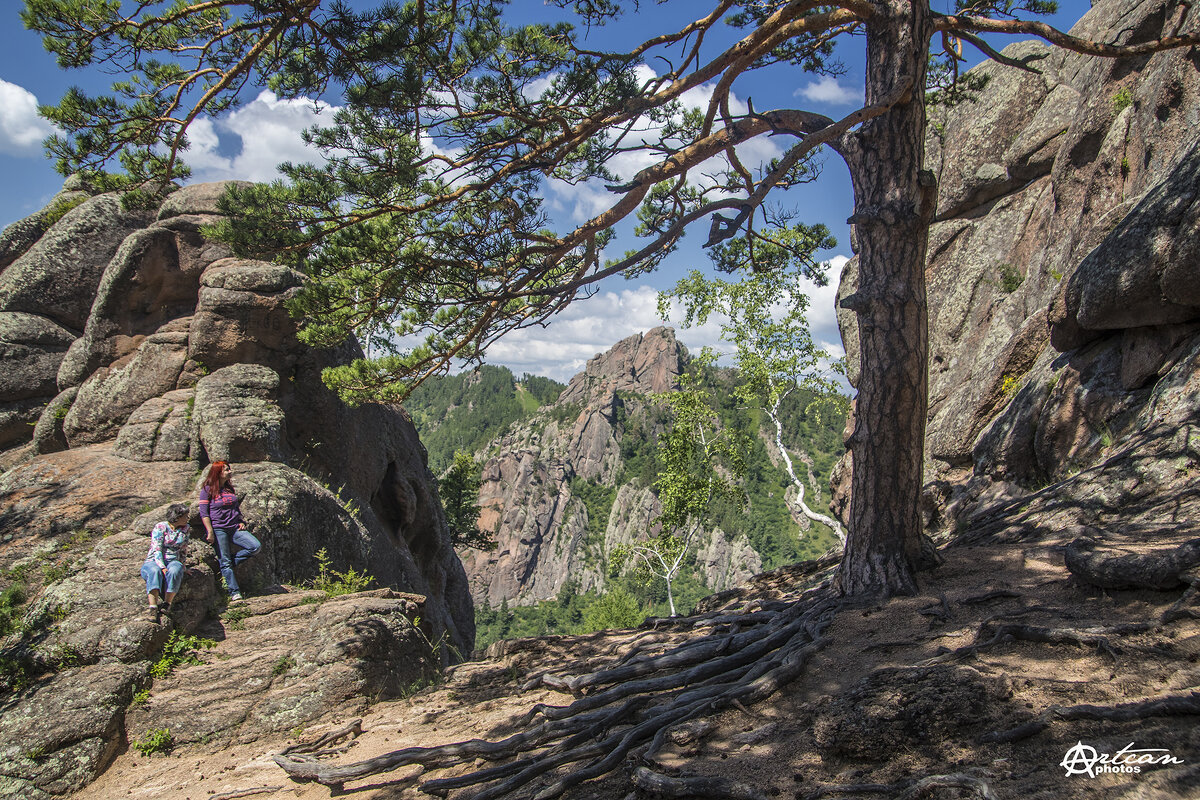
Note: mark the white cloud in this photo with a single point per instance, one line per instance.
(828, 90)
(267, 131)
(587, 327)
(593, 325)
(21, 129)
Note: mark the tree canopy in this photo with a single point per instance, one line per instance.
(429, 218)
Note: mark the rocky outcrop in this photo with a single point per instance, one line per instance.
(294, 658)
(1062, 270)
(136, 351)
(532, 492)
(642, 364)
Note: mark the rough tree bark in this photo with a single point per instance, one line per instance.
(893, 207)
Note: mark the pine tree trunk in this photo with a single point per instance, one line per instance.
(893, 207)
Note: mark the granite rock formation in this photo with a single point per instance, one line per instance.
(541, 523)
(1063, 302)
(136, 352)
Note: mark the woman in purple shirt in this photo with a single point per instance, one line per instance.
(220, 509)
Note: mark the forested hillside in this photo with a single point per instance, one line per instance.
(468, 410)
(585, 506)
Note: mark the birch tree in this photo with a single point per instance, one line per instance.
(764, 317)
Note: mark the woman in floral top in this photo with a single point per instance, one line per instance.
(163, 568)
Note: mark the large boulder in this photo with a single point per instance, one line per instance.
(151, 281)
(241, 316)
(31, 346)
(1146, 272)
(58, 275)
(237, 414)
(23, 234)
(111, 393)
(59, 739)
(289, 662)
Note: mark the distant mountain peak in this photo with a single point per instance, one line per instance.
(645, 363)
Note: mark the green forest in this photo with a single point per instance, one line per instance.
(466, 412)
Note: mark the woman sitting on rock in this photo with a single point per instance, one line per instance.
(164, 564)
(220, 509)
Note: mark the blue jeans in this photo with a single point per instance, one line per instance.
(228, 541)
(155, 579)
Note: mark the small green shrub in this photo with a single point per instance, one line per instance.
(54, 571)
(235, 617)
(62, 656)
(140, 698)
(158, 740)
(180, 649)
(567, 412)
(15, 673)
(59, 208)
(1122, 100)
(336, 584)
(11, 601)
(282, 665)
(615, 609)
(18, 573)
(1009, 278)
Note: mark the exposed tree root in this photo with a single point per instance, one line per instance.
(910, 790)
(244, 792)
(990, 635)
(1108, 568)
(1182, 608)
(352, 728)
(1174, 705)
(694, 786)
(958, 781)
(940, 612)
(999, 594)
(630, 709)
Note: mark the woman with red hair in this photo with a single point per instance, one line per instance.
(220, 510)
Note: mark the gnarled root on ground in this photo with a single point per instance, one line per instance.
(692, 786)
(628, 710)
(990, 634)
(908, 790)
(1111, 568)
(1172, 705)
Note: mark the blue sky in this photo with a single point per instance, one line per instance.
(248, 143)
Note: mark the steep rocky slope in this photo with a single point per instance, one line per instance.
(1064, 309)
(566, 486)
(136, 352)
(530, 493)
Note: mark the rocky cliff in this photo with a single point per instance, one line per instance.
(539, 474)
(135, 352)
(1064, 286)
